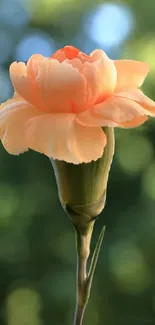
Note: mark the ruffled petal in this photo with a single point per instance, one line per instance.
(21, 84)
(130, 74)
(13, 115)
(61, 87)
(23, 80)
(119, 108)
(100, 75)
(15, 97)
(90, 118)
(136, 121)
(60, 137)
(138, 96)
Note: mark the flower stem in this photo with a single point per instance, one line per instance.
(81, 277)
(79, 312)
(82, 256)
(84, 279)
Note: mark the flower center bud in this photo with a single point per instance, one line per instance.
(70, 53)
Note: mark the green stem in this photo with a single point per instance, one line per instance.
(79, 313)
(81, 278)
(83, 250)
(84, 279)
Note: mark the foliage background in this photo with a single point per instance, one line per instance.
(37, 251)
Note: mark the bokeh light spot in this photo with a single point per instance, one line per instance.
(32, 43)
(6, 45)
(134, 153)
(148, 181)
(142, 49)
(23, 306)
(128, 268)
(110, 24)
(13, 13)
(64, 244)
(5, 85)
(9, 202)
(53, 285)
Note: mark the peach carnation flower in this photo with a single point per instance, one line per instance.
(61, 103)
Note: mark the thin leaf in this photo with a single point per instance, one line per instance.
(94, 261)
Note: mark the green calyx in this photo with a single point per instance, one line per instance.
(82, 188)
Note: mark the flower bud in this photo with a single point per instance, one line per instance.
(82, 188)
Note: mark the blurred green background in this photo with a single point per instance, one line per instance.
(37, 250)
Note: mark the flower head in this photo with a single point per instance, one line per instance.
(61, 103)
